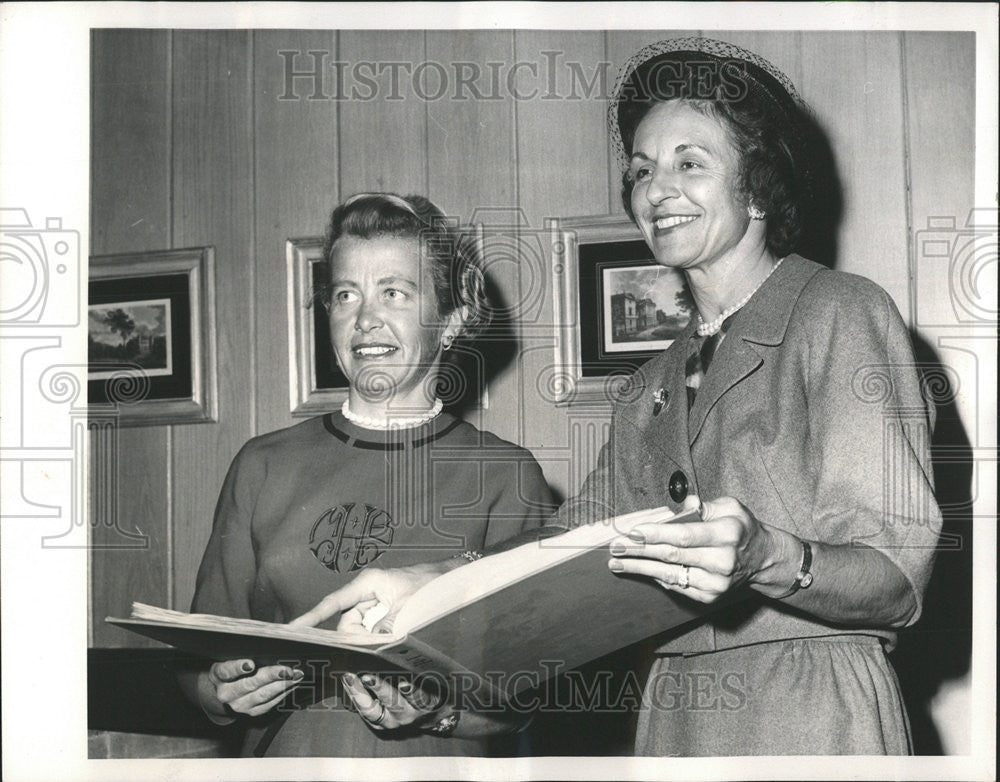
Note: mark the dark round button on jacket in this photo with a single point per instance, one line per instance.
(678, 486)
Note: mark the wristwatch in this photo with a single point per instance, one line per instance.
(804, 578)
(444, 726)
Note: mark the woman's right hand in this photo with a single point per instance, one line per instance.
(238, 686)
(372, 586)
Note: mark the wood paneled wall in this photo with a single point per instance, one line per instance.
(193, 144)
(131, 207)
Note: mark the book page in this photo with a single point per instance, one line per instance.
(471, 582)
(254, 627)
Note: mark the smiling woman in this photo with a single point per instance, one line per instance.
(685, 171)
(389, 479)
(384, 324)
(786, 461)
(390, 324)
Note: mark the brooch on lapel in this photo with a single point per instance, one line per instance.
(659, 400)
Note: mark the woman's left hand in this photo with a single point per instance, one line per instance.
(703, 559)
(387, 706)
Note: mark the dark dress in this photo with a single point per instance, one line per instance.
(303, 509)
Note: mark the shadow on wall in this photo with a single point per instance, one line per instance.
(938, 649)
(474, 363)
(824, 205)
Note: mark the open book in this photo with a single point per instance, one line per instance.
(505, 622)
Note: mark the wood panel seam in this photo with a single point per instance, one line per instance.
(252, 248)
(335, 43)
(609, 163)
(427, 134)
(518, 367)
(169, 435)
(904, 95)
(170, 138)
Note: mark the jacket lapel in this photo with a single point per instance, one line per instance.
(762, 322)
(664, 433)
(733, 361)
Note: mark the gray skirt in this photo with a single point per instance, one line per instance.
(834, 695)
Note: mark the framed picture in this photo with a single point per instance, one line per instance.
(151, 336)
(615, 306)
(316, 384)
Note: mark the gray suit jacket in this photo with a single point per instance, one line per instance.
(811, 415)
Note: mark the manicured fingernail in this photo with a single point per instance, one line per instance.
(637, 536)
(616, 566)
(297, 674)
(247, 666)
(368, 680)
(350, 678)
(618, 549)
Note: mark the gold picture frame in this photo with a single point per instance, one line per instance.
(152, 338)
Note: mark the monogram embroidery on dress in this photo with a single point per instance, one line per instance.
(350, 536)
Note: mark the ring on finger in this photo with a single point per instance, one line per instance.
(381, 714)
(684, 580)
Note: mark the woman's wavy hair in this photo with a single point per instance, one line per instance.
(767, 126)
(452, 255)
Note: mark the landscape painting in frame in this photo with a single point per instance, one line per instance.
(645, 307)
(151, 337)
(130, 333)
(615, 306)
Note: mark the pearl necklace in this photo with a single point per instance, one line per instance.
(372, 422)
(708, 329)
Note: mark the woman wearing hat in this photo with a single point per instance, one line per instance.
(790, 406)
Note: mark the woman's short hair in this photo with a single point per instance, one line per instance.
(452, 254)
(758, 106)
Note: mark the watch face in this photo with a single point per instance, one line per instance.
(807, 579)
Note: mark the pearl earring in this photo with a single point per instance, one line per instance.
(755, 212)
(446, 342)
